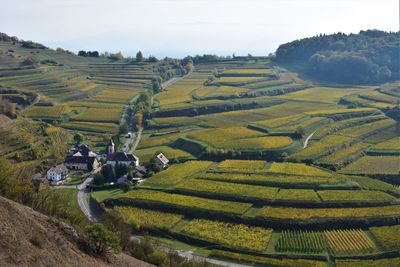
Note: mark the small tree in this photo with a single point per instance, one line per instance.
(99, 179)
(152, 59)
(300, 131)
(108, 172)
(139, 56)
(78, 138)
(120, 170)
(125, 187)
(123, 128)
(102, 240)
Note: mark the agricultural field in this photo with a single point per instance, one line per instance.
(387, 236)
(301, 242)
(177, 173)
(321, 94)
(47, 112)
(183, 201)
(240, 138)
(146, 154)
(218, 189)
(391, 262)
(391, 145)
(99, 115)
(242, 165)
(297, 195)
(349, 242)
(344, 153)
(91, 126)
(297, 169)
(140, 218)
(332, 213)
(293, 181)
(322, 147)
(228, 234)
(373, 165)
(354, 196)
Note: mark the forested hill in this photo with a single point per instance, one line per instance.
(368, 57)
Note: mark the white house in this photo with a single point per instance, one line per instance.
(162, 160)
(57, 173)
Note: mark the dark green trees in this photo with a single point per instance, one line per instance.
(368, 57)
(139, 56)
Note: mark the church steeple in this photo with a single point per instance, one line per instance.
(110, 147)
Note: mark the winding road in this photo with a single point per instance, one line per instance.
(83, 196)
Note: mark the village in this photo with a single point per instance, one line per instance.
(109, 168)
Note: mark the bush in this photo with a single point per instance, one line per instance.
(99, 179)
(101, 241)
(125, 187)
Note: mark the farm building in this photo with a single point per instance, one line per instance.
(82, 159)
(162, 160)
(57, 173)
(122, 158)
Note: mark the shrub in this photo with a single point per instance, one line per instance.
(101, 240)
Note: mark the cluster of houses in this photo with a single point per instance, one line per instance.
(81, 158)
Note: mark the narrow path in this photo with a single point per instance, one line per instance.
(138, 136)
(168, 83)
(308, 139)
(192, 256)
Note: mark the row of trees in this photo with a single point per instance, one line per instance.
(83, 53)
(115, 56)
(368, 57)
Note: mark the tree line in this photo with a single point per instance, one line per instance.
(370, 56)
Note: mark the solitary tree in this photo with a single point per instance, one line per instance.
(139, 56)
(102, 240)
(78, 138)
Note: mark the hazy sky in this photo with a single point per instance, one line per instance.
(181, 27)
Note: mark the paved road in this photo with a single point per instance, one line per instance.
(83, 200)
(83, 196)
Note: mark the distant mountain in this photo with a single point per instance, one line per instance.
(368, 57)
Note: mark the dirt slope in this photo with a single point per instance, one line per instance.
(29, 238)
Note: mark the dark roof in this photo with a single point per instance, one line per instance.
(141, 168)
(84, 150)
(59, 169)
(78, 160)
(121, 156)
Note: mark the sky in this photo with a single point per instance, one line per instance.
(177, 28)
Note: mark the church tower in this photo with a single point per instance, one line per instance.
(110, 147)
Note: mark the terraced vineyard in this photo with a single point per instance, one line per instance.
(266, 167)
(253, 189)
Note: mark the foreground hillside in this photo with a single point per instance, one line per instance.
(29, 238)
